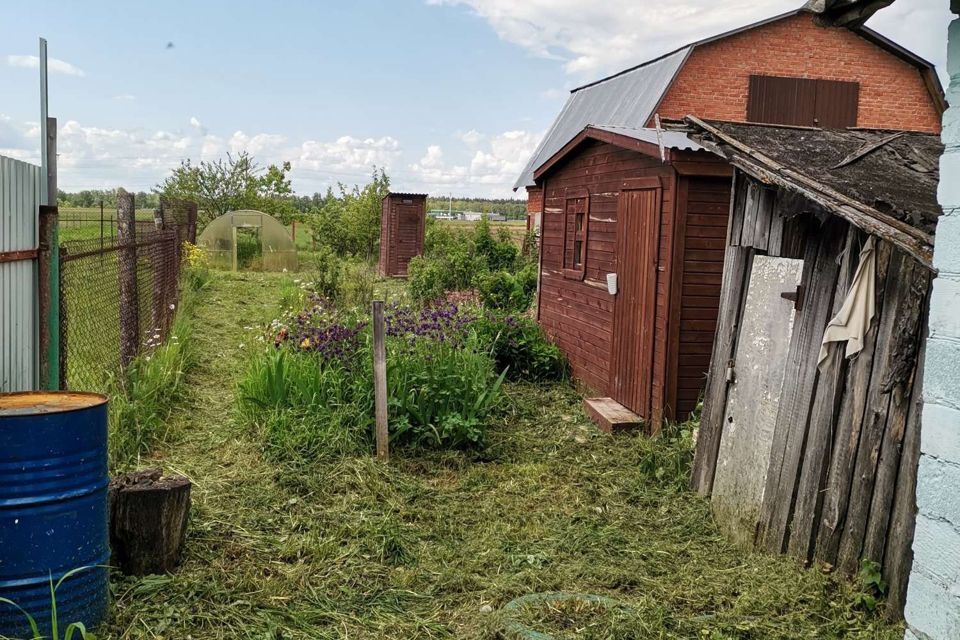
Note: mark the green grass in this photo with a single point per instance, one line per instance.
(434, 545)
(83, 223)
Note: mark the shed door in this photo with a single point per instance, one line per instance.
(638, 235)
(408, 235)
(750, 417)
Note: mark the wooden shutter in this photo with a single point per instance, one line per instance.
(774, 100)
(837, 104)
(802, 102)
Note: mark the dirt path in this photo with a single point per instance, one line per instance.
(222, 460)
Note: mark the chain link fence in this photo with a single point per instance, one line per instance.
(119, 293)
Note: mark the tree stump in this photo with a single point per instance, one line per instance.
(148, 521)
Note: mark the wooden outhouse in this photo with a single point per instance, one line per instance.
(630, 266)
(809, 438)
(402, 224)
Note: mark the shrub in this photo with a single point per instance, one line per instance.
(501, 290)
(328, 275)
(440, 394)
(519, 345)
(357, 285)
(312, 393)
(498, 253)
(430, 278)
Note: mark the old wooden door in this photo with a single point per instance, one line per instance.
(763, 344)
(408, 235)
(634, 318)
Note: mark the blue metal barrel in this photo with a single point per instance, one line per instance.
(53, 508)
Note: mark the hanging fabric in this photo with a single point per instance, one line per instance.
(859, 307)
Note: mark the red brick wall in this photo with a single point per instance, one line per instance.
(713, 82)
(534, 205)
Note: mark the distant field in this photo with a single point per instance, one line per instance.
(517, 228)
(78, 223)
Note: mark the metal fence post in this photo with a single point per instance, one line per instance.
(49, 271)
(127, 277)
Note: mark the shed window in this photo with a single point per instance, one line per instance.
(830, 104)
(576, 224)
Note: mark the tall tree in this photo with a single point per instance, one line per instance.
(231, 183)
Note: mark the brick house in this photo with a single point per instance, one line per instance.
(645, 339)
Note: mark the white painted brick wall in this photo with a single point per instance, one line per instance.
(933, 598)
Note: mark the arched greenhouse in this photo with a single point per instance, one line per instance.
(249, 239)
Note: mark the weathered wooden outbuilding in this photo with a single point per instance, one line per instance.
(809, 438)
(402, 224)
(630, 266)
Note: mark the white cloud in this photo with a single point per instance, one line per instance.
(595, 38)
(53, 65)
(95, 157)
(125, 97)
(490, 172)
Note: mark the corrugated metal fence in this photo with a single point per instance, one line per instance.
(19, 201)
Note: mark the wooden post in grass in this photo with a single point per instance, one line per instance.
(380, 381)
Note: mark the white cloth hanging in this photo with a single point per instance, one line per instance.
(859, 307)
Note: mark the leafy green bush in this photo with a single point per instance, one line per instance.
(502, 290)
(519, 345)
(327, 274)
(357, 285)
(312, 394)
(498, 253)
(430, 278)
(439, 395)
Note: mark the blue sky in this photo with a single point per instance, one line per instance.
(449, 95)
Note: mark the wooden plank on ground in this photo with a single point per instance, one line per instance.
(823, 248)
(611, 416)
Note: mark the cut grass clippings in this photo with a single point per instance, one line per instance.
(434, 545)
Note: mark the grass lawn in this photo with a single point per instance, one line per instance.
(434, 545)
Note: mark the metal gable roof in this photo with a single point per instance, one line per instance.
(626, 100)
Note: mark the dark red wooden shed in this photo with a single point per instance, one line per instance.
(402, 225)
(648, 209)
